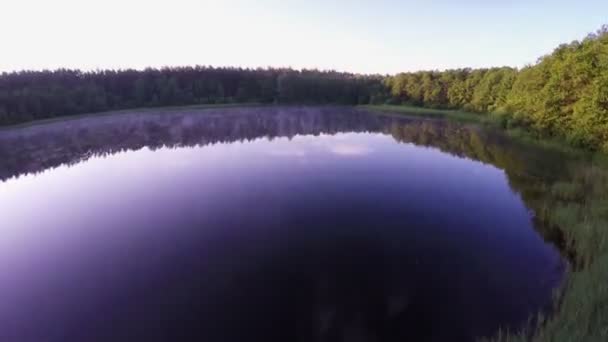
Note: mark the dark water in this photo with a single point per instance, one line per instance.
(268, 224)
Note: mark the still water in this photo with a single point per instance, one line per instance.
(266, 224)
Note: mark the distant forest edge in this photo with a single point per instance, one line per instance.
(562, 94)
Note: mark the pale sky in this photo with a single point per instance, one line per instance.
(381, 36)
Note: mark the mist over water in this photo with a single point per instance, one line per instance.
(271, 223)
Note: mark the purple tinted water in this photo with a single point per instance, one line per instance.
(286, 224)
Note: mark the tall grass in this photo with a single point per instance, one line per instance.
(455, 115)
(581, 211)
(578, 207)
(133, 110)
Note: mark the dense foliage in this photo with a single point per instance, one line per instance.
(564, 93)
(31, 95)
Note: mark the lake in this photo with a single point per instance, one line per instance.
(269, 224)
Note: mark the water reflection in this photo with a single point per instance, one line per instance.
(291, 224)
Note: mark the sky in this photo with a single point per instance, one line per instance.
(380, 36)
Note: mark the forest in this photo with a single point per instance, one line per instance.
(563, 94)
(32, 95)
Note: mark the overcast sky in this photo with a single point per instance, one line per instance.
(381, 36)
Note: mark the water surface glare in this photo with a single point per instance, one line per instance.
(269, 224)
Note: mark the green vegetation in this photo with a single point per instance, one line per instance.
(564, 94)
(571, 207)
(176, 109)
(455, 115)
(34, 95)
(491, 119)
(579, 208)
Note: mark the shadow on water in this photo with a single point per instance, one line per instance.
(368, 255)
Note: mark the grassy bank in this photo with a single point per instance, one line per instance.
(456, 115)
(578, 208)
(131, 110)
(494, 120)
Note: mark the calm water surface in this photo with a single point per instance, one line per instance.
(267, 224)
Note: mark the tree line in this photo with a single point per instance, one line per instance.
(32, 95)
(564, 93)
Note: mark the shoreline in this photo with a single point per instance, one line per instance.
(580, 213)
